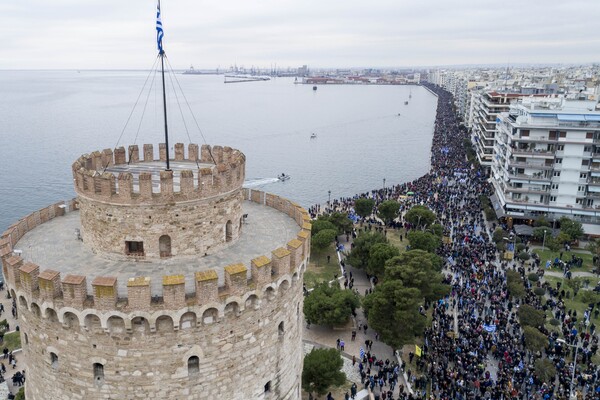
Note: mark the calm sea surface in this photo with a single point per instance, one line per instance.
(49, 118)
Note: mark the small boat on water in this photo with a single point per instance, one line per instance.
(283, 177)
(313, 136)
(406, 103)
(314, 88)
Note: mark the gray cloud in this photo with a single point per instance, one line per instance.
(120, 34)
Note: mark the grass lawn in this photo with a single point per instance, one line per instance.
(546, 254)
(12, 341)
(393, 235)
(318, 269)
(572, 304)
(336, 392)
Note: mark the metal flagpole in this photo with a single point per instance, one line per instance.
(161, 52)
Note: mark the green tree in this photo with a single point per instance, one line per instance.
(360, 253)
(323, 239)
(514, 284)
(498, 235)
(541, 221)
(437, 229)
(545, 370)
(341, 220)
(388, 210)
(534, 339)
(20, 394)
(594, 248)
(530, 316)
(563, 237)
(320, 225)
(420, 270)
(364, 207)
(393, 311)
(330, 305)
(552, 244)
(571, 228)
(378, 255)
(322, 370)
(424, 241)
(420, 216)
(538, 233)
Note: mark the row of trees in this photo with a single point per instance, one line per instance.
(406, 279)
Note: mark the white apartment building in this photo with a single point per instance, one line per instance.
(547, 161)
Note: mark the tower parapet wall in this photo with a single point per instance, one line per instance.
(218, 170)
(50, 288)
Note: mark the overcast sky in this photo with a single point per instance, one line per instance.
(119, 34)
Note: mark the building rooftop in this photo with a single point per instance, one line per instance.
(54, 245)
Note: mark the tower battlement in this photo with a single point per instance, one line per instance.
(121, 177)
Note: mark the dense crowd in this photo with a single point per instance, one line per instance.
(475, 347)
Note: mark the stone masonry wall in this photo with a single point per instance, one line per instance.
(240, 348)
(194, 227)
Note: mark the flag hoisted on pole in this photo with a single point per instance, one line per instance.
(159, 29)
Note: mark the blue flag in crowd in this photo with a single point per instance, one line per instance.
(489, 328)
(362, 353)
(159, 29)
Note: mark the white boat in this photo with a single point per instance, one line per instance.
(283, 177)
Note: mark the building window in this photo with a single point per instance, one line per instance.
(268, 387)
(554, 186)
(228, 231)
(558, 161)
(552, 198)
(281, 329)
(560, 147)
(587, 149)
(585, 162)
(98, 373)
(578, 201)
(524, 132)
(54, 360)
(556, 173)
(563, 134)
(193, 365)
(581, 188)
(134, 248)
(583, 175)
(589, 135)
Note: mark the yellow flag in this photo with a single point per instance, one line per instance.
(418, 351)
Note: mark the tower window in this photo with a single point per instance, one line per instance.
(98, 373)
(54, 360)
(193, 365)
(268, 387)
(134, 248)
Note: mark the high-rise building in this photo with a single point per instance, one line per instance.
(546, 161)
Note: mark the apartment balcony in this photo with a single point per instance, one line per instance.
(546, 154)
(529, 178)
(531, 165)
(534, 139)
(527, 190)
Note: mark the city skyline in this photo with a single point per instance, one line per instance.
(67, 34)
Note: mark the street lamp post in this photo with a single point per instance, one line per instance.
(544, 241)
(329, 201)
(571, 394)
(384, 183)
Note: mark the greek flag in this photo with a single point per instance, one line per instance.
(159, 29)
(489, 328)
(362, 353)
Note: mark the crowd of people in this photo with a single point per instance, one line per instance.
(475, 347)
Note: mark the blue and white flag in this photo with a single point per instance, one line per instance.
(159, 29)
(362, 353)
(489, 328)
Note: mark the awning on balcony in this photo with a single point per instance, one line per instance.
(497, 206)
(571, 117)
